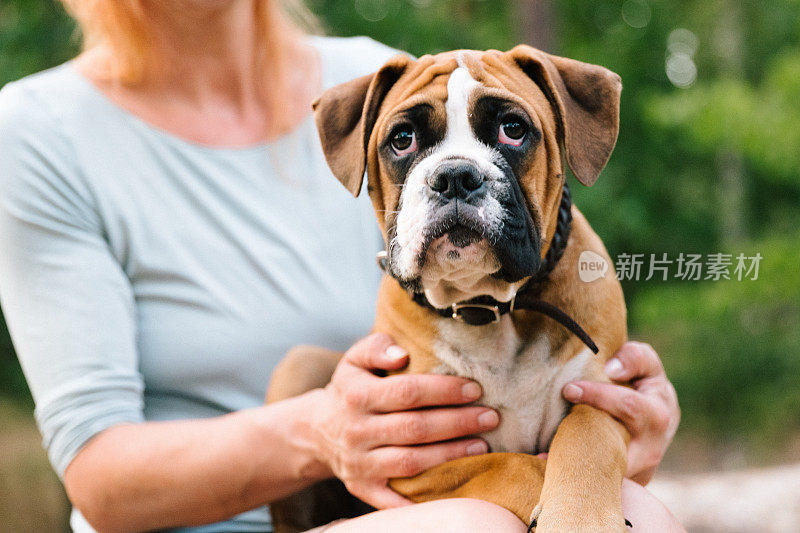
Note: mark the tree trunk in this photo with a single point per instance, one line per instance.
(535, 23)
(729, 45)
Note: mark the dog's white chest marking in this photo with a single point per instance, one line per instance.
(519, 379)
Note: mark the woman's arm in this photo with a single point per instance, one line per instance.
(159, 474)
(136, 477)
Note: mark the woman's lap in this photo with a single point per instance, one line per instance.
(644, 511)
(442, 516)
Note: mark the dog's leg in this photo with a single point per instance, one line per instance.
(511, 480)
(302, 369)
(583, 481)
(305, 368)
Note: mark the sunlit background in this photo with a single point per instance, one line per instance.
(708, 162)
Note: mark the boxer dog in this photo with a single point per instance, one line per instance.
(464, 153)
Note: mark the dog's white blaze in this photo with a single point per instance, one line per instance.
(522, 382)
(460, 138)
(444, 286)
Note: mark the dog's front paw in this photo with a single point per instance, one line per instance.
(554, 518)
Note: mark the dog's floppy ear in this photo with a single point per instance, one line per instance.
(586, 98)
(345, 115)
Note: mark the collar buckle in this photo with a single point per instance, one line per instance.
(495, 310)
(458, 307)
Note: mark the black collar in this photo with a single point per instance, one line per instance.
(484, 310)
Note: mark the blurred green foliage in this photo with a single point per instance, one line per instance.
(707, 161)
(33, 35)
(759, 119)
(422, 26)
(731, 347)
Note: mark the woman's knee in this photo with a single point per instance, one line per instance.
(457, 515)
(646, 512)
(477, 515)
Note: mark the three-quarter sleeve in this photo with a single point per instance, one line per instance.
(66, 299)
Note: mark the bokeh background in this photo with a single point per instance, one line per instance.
(708, 161)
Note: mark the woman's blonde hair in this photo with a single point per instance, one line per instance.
(120, 26)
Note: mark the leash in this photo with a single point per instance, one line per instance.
(484, 310)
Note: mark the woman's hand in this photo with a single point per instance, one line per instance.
(369, 429)
(649, 410)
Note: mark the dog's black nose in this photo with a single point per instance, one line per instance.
(456, 179)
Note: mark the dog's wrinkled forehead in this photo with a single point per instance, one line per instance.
(581, 99)
(452, 83)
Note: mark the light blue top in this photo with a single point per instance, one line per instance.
(145, 277)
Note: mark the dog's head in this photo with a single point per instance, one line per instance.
(463, 157)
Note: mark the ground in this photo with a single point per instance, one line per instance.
(765, 500)
(31, 497)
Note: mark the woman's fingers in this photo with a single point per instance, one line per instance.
(406, 391)
(425, 426)
(376, 352)
(395, 393)
(634, 361)
(626, 405)
(377, 494)
(375, 428)
(407, 461)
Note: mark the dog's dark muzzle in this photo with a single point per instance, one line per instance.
(459, 190)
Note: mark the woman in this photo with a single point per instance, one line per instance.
(168, 229)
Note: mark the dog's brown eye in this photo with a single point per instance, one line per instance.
(512, 131)
(404, 141)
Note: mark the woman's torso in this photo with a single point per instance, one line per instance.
(233, 255)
